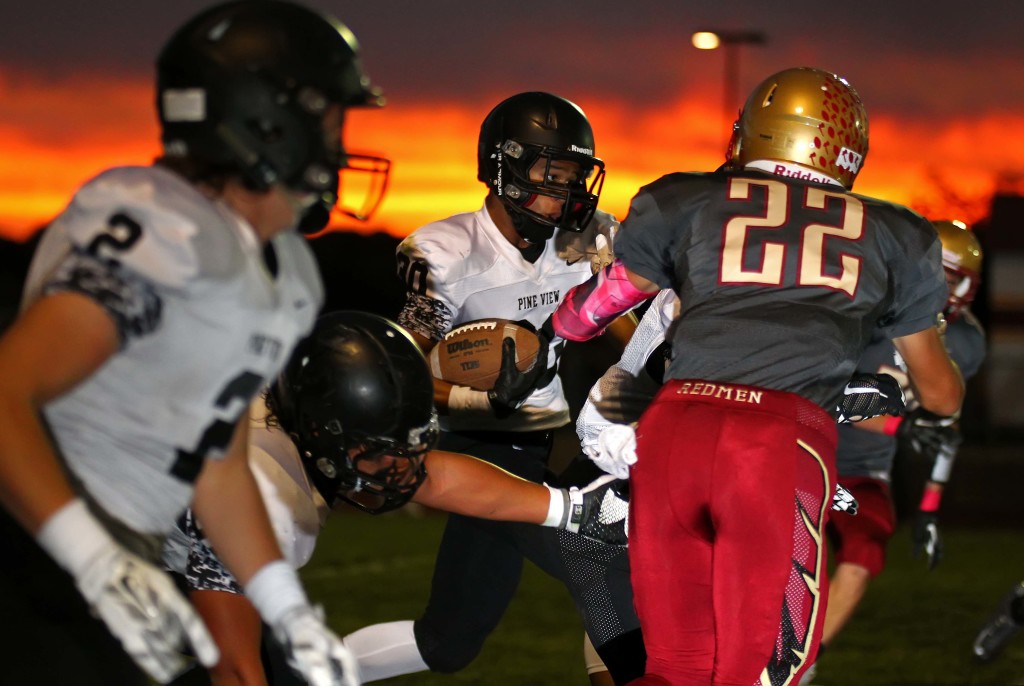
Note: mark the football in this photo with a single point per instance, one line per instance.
(470, 354)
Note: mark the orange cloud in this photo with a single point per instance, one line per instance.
(57, 134)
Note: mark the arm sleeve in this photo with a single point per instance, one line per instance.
(429, 309)
(622, 394)
(132, 301)
(129, 236)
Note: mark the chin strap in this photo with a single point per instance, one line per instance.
(594, 304)
(530, 229)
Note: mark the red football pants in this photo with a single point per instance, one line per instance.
(729, 499)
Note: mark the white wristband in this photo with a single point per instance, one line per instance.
(73, 537)
(466, 399)
(275, 591)
(557, 507)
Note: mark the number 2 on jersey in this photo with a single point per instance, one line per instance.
(811, 271)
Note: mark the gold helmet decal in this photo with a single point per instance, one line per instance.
(803, 122)
(961, 258)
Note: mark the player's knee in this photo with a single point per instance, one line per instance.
(444, 652)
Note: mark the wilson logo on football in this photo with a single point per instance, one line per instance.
(459, 346)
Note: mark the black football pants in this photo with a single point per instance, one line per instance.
(480, 562)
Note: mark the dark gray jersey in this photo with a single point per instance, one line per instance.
(781, 281)
(866, 453)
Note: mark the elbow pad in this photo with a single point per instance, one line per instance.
(591, 306)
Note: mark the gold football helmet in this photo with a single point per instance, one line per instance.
(961, 258)
(805, 117)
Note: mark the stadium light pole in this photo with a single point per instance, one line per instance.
(730, 42)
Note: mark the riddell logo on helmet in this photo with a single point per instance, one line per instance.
(849, 160)
(585, 151)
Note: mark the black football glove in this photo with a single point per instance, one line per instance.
(513, 386)
(870, 395)
(927, 539)
(599, 510)
(931, 435)
(546, 330)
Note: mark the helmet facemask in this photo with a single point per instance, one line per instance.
(962, 261)
(363, 177)
(518, 186)
(374, 474)
(381, 475)
(963, 286)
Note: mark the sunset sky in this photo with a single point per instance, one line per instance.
(943, 83)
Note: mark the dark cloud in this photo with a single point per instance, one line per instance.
(902, 55)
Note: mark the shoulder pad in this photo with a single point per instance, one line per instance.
(153, 223)
(443, 246)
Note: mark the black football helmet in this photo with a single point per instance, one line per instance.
(357, 398)
(534, 126)
(244, 87)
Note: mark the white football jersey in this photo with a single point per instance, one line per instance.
(296, 509)
(203, 324)
(461, 269)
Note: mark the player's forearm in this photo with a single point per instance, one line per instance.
(938, 384)
(442, 395)
(590, 307)
(32, 483)
(33, 486)
(234, 625)
(229, 507)
(878, 425)
(55, 344)
(465, 485)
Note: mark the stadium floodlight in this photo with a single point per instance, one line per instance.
(729, 41)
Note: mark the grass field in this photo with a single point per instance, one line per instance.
(914, 627)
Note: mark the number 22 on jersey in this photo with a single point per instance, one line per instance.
(812, 269)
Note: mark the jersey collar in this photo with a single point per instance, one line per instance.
(791, 170)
